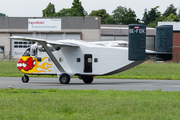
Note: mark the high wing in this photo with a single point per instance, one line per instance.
(52, 42)
(111, 43)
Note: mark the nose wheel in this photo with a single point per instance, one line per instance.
(25, 79)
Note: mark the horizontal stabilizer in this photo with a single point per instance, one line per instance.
(157, 53)
(159, 56)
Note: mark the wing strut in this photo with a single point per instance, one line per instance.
(52, 57)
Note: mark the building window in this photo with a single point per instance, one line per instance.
(15, 46)
(78, 59)
(95, 59)
(20, 44)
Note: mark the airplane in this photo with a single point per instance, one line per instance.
(68, 58)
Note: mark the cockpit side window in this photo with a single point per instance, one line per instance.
(27, 52)
(34, 51)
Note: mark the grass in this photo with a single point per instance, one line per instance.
(88, 104)
(167, 71)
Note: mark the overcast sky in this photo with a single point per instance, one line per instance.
(33, 8)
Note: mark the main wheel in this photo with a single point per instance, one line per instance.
(25, 79)
(64, 79)
(88, 79)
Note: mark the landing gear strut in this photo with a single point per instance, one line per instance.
(25, 79)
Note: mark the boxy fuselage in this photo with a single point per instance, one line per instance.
(90, 58)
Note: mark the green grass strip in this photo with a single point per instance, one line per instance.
(55, 104)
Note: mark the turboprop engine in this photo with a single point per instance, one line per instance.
(51, 47)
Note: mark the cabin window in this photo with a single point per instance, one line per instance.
(78, 59)
(95, 59)
(49, 60)
(60, 59)
(89, 60)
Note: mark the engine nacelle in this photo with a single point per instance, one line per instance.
(51, 47)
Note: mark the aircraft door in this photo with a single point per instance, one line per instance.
(88, 63)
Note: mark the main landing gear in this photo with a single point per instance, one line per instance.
(86, 79)
(64, 78)
(25, 79)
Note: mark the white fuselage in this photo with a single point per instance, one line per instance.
(104, 59)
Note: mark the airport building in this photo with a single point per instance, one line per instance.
(84, 28)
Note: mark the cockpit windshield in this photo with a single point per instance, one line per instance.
(27, 52)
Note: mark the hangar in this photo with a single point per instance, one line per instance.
(57, 28)
(85, 28)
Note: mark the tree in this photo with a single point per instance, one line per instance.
(77, 9)
(110, 20)
(172, 18)
(145, 16)
(151, 15)
(124, 16)
(64, 12)
(49, 11)
(105, 17)
(170, 10)
(179, 13)
(3, 15)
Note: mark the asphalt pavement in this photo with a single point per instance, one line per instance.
(100, 84)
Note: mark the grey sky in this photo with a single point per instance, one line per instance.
(33, 8)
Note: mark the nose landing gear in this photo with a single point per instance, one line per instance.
(25, 79)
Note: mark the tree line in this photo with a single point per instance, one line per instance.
(121, 15)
